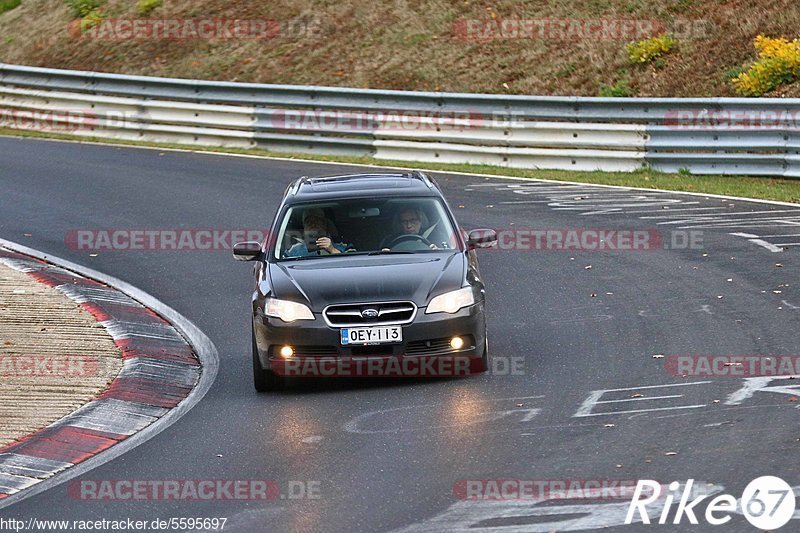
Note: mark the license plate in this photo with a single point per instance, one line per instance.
(373, 335)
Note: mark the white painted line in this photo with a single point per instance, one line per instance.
(671, 210)
(616, 202)
(769, 246)
(749, 387)
(759, 384)
(736, 214)
(644, 410)
(659, 386)
(746, 235)
(202, 345)
(527, 202)
(733, 221)
(640, 399)
(593, 399)
(352, 426)
(741, 224)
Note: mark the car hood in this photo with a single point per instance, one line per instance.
(363, 279)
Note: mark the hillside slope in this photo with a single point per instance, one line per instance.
(417, 44)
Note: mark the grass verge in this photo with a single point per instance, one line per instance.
(764, 188)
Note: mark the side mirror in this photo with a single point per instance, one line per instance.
(481, 238)
(247, 251)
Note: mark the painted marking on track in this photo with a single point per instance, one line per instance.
(538, 516)
(722, 224)
(737, 214)
(594, 399)
(593, 200)
(760, 384)
(678, 210)
(760, 242)
(777, 236)
(640, 399)
(354, 425)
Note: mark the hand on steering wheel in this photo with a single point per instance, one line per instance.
(411, 237)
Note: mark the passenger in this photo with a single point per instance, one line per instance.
(316, 239)
(316, 211)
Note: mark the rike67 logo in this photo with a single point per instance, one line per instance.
(768, 502)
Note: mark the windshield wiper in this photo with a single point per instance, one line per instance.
(302, 257)
(382, 252)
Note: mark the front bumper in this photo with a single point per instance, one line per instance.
(426, 337)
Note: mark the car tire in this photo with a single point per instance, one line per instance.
(264, 380)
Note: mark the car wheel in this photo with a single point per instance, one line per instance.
(264, 380)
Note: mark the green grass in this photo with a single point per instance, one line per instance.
(779, 189)
(82, 8)
(144, 7)
(8, 5)
(621, 89)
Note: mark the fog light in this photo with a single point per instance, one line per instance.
(456, 343)
(287, 352)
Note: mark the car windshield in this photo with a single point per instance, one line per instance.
(365, 226)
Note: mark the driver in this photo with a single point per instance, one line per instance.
(408, 221)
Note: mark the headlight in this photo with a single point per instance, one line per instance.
(452, 301)
(287, 311)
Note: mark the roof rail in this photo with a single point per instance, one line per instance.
(416, 174)
(294, 187)
(427, 180)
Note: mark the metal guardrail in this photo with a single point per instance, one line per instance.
(579, 133)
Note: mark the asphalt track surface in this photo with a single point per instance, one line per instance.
(387, 454)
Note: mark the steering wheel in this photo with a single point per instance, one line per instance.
(410, 241)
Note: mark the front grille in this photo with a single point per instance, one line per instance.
(307, 351)
(437, 346)
(350, 315)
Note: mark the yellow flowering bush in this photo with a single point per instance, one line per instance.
(778, 63)
(647, 50)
